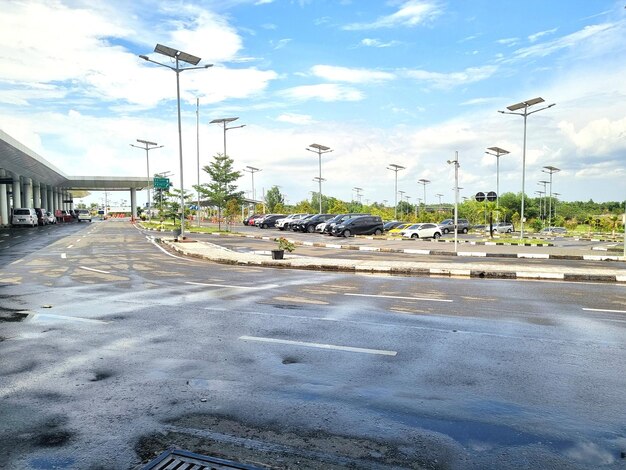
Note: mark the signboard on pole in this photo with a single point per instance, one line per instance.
(161, 183)
(491, 196)
(480, 197)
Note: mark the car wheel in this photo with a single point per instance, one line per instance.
(464, 230)
(509, 231)
(310, 229)
(436, 235)
(347, 233)
(445, 230)
(378, 232)
(263, 225)
(414, 235)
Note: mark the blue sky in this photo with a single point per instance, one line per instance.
(407, 82)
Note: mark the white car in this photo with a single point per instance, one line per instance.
(24, 216)
(51, 218)
(422, 231)
(84, 214)
(283, 224)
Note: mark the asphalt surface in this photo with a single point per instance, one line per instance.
(114, 348)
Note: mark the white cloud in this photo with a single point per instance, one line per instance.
(280, 43)
(508, 41)
(350, 75)
(450, 80)
(298, 119)
(536, 36)
(323, 92)
(369, 42)
(411, 13)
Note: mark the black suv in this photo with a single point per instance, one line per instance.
(270, 220)
(308, 224)
(360, 225)
(338, 219)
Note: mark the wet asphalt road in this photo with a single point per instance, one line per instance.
(112, 350)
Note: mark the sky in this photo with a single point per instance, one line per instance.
(405, 82)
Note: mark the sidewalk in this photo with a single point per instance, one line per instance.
(518, 270)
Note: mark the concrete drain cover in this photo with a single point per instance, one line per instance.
(183, 460)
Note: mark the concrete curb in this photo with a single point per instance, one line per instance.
(217, 254)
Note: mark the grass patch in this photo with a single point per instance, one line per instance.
(188, 229)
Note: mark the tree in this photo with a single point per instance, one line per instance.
(273, 198)
(220, 190)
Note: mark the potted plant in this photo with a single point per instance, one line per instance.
(283, 245)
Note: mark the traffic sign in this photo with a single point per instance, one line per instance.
(491, 196)
(480, 197)
(161, 183)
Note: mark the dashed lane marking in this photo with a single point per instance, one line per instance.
(95, 270)
(398, 297)
(334, 347)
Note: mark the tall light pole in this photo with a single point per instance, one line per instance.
(198, 156)
(401, 193)
(408, 206)
(542, 202)
(252, 170)
(424, 182)
(551, 170)
(439, 195)
(148, 146)
(319, 149)
(524, 105)
(178, 57)
(556, 198)
(395, 168)
(224, 122)
(455, 162)
(540, 194)
(358, 193)
(497, 152)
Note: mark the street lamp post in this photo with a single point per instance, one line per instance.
(395, 168)
(551, 170)
(178, 56)
(556, 198)
(424, 182)
(455, 162)
(148, 146)
(498, 153)
(358, 193)
(524, 105)
(224, 122)
(439, 195)
(542, 202)
(252, 170)
(408, 206)
(401, 196)
(319, 149)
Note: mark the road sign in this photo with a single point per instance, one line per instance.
(491, 196)
(480, 197)
(161, 183)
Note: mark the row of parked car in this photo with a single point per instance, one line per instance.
(32, 217)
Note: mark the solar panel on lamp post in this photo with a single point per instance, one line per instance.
(178, 56)
(524, 105)
(224, 122)
(556, 198)
(148, 146)
(395, 168)
(252, 170)
(424, 182)
(498, 153)
(319, 149)
(551, 170)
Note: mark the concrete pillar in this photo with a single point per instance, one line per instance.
(133, 204)
(36, 194)
(28, 193)
(17, 191)
(50, 199)
(43, 189)
(4, 201)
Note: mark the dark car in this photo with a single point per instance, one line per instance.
(330, 224)
(269, 220)
(308, 225)
(251, 218)
(42, 218)
(389, 225)
(360, 225)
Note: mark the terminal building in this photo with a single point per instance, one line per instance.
(29, 181)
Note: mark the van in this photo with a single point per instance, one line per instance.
(24, 216)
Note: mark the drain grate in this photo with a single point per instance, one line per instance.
(184, 460)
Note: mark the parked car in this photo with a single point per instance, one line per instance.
(269, 220)
(250, 218)
(503, 227)
(84, 214)
(397, 230)
(554, 230)
(284, 223)
(310, 223)
(447, 225)
(63, 216)
(391, 225)
(336, 220)
(426, 230)
(24, 216)
(41, 216)
(360, 225)
(51, 218)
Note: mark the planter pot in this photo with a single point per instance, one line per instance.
(278, 254)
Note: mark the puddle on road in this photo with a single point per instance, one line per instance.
(12, 315)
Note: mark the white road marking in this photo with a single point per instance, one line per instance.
(603, 310)
(94, 270)
(63, 256)
(398, 297)
(266, 286)
(15, 262)
(380, 352)
(70, 246)
(65, 317)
